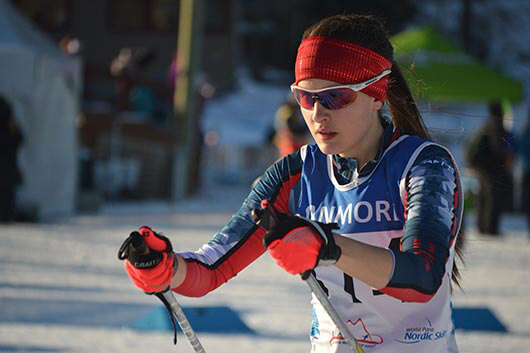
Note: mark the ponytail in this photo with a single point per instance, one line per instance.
(403, 108)
(456, 276)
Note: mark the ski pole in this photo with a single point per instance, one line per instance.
(184, 324)
(266, 218)
(332, 312)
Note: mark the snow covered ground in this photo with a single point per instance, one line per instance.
(62, 288)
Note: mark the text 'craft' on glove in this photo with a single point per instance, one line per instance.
(148, 259)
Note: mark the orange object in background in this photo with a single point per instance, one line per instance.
(291, 132)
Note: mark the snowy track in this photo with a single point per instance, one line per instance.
(62, 288)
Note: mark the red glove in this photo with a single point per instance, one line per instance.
(150, 268)
(299, 245)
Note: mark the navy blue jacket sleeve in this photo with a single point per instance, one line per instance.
(432, 221)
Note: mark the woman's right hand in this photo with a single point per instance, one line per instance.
(149, 260)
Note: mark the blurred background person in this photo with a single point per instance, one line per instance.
(490, 155)
(290, 130)
(10, 177)
(120, 68)
(135, 90)
(524, 153)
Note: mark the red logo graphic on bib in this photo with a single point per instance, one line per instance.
(360, 332)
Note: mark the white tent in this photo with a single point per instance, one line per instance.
(43, 86)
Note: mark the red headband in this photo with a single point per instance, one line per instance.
(342, 62)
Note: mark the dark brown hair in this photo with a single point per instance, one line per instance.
(369, 32)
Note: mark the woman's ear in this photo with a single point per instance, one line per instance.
(377, 104)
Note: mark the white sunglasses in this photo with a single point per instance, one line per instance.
(334, 97)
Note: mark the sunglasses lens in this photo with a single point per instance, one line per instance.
(331, 99)
(337, 98)
(305, 99)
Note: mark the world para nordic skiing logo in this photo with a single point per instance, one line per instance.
(361, 334)
(418, 334)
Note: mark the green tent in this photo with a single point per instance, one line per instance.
(438, 71)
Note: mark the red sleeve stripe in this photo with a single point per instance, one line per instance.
(202, 279)
(407, 294)
(281, 200)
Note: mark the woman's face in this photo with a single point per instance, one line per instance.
(351, 131)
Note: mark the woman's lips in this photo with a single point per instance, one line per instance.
(326, 135)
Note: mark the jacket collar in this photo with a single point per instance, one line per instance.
(346, 168)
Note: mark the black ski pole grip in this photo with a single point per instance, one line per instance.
(265, 217)
(138, 243)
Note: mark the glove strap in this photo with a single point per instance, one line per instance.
(168, 307)
(319, 229)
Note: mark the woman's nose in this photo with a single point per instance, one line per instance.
(319, 112)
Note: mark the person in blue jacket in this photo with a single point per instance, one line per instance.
(373, 209)
(490, 155)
